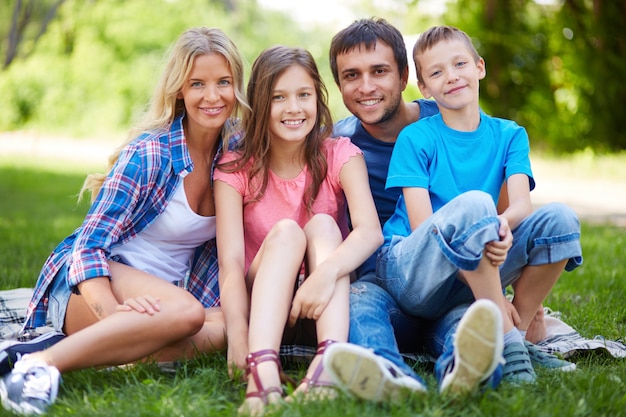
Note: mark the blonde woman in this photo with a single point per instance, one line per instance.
(139, 277)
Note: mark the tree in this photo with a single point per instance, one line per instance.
(28, 16)
(554, 67)
(593, 49)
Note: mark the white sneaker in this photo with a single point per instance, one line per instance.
(368, 376)
(30, 387)
(478, 344)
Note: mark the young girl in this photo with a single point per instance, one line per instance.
(282, 214)
(117, 285)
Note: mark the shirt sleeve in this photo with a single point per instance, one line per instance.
(237, 179)
(410, 158)
(517, 158)
(339, 151)
(111, 213)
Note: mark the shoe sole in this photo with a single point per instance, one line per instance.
(478, 346)
(360, 372)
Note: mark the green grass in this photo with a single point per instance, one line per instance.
(38, 209)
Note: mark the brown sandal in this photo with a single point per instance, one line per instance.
(316, 389)
(252, 360)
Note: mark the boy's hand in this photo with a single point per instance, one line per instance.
(497, 250)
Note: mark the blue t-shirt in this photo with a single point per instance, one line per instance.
(377, 155)
(448, 162)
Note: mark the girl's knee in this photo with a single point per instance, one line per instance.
(285, 232)
(323, 225)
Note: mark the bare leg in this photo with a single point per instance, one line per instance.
(532, 287)
(323, 237)
(484, 282)
(537, 328)
(273, 272)
(127, 336)
(210, 338)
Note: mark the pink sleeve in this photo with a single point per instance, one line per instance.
(238, 179)
(339, 151)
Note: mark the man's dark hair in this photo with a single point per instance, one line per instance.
(366, 33)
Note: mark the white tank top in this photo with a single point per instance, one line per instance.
(166, 247)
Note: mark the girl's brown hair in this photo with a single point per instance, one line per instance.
(266, 70)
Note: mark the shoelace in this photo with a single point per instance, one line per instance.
(36, 384)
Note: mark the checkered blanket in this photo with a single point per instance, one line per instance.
(561, 338)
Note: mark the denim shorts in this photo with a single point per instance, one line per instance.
(60, 292)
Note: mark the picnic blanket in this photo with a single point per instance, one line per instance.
(561, 338)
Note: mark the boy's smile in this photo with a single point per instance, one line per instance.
(450, 75)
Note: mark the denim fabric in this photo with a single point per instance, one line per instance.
(420, 271)
(376, 321)
(550, 234)
(417, 274)
(59, 297)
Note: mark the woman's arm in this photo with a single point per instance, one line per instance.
(234, 296)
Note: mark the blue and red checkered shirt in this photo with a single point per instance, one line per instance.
(133, 195)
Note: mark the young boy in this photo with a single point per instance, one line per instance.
(445, 244)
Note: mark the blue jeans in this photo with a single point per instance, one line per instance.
(420, 270)
(377, 323)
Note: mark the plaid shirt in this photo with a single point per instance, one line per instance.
(133, 195)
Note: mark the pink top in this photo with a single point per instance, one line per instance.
(283, 198)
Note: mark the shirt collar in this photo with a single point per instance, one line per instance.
(181, 160)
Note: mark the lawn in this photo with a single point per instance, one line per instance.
(38, 208)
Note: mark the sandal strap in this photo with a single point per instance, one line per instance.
(321, 347)
(252, 360)
(314, 381)
(264, 393)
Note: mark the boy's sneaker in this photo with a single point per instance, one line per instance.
(545, 360)
(518, 368)
(367, 375)
(30, 388)
(12, 350)
(476, 349)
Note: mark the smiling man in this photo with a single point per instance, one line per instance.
(369, 63)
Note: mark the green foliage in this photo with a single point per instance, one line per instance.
(94, 69)
(554, 67)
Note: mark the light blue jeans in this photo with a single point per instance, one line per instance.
(420, 270)
(377, 323)
(392, 313)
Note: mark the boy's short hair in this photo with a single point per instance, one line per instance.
(437, 34)
(366, 33)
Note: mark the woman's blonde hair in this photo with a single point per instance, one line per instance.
(165, 105)
(266, 70)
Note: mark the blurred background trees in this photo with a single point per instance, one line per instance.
(87, 67)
